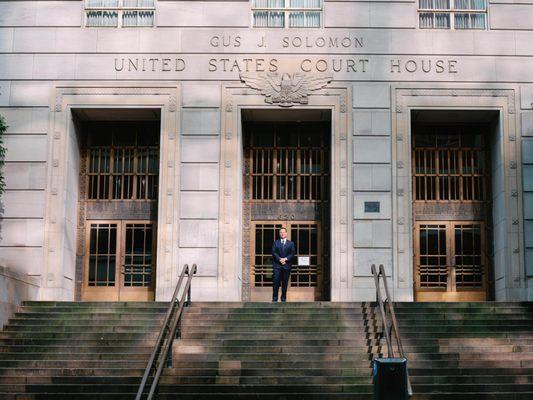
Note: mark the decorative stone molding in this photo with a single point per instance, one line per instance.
(168, 94)
(234, 266)
(413, 96)
(61, 195)
(509, 95)
(286, 89)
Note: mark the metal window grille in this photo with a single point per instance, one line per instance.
(452, 14)
(102, 255)
(287, 13)
(126, 168)
(292, 167)
(307, 241)
(119, 13)
(450, 256)
(450, 167)
(138, 255)
(433, 266)
(130, 244)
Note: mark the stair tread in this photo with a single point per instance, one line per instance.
(231, 350)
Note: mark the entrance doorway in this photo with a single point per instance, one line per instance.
(450, 260)
(286, 184)
(308, 270)
(119, 184)
(120, 260)
(451, 209)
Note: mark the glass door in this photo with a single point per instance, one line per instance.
(450, 261)
(120, 260)
(307, 269)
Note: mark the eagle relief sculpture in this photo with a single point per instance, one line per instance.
(286, 89)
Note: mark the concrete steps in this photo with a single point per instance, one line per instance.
(478, 350)
(69, 349)
(93, 350)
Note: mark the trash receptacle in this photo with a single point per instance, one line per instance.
(390, 379)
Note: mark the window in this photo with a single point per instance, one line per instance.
(450, 167)
(119, 13)
(122, 164)
(286, 13)
(288, 165)
(452, 14)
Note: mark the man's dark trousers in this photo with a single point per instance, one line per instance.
(281, 274)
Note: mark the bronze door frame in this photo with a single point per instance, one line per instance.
(451, 292)
(303, 175)
(118, 292)
(295, 293)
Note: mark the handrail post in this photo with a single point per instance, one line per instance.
(193, 272)
(382, 311)
(394, 323)
(161, 356)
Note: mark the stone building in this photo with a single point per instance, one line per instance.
(148, 134)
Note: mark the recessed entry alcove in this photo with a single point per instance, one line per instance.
(118, 183)
(455, 156)
(286, 183)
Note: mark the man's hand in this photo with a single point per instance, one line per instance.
(282, 260)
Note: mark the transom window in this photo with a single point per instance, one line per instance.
(122, 163)
(288, 163)
(119, 13)
(452, 14)
(286, 13)
(450, 166)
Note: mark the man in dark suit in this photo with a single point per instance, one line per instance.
(283, 253)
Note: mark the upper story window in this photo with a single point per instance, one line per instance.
(287, 13)
(453, 14)
(119, 13)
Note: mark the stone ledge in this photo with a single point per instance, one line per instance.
(15, 288)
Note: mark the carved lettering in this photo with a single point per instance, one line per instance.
(334, 65)
(331, 42)
(243, 65)
(119, 64)
(425, 66)
(153, 64)
(329, 65)
(133, 64)
(225, 41)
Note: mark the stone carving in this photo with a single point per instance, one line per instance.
(172, 103)
(509, 94)
(286, 89)
(342, 104)
(59, 102)
(116, 91)
(441, 211)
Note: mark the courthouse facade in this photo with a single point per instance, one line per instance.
(148, 134)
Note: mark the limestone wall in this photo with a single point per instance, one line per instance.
(198, 47)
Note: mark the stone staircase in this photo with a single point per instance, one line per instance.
(72, 350)
(273, 351)
(468, 350)
(266, 351)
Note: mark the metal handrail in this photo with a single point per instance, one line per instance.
(394, 323)
(167, 333)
